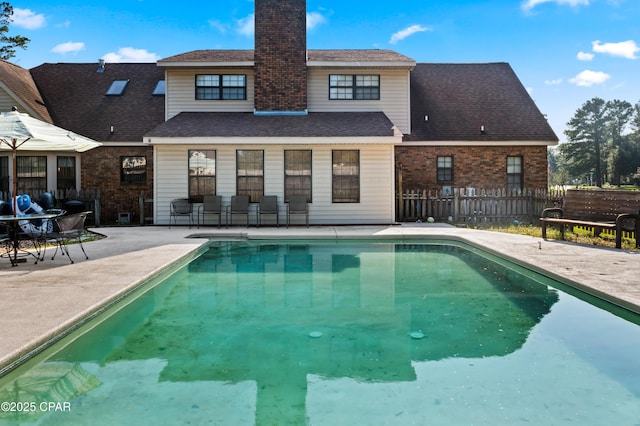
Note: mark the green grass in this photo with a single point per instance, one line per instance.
(578, 235)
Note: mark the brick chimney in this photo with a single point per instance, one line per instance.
(280, 56)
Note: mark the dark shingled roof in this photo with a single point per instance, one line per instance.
(355, 55)
(19, 81)
(247, 124)
(75, 95)
(460, 98)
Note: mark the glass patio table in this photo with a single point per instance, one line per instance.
(12, 224)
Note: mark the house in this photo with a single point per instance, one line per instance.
(335, 125)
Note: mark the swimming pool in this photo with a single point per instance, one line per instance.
(341, 332)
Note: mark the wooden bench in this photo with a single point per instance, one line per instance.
(598, 210)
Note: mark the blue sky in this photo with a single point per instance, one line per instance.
(564, 51)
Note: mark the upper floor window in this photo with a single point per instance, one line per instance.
(358, 87)
(514, 173)
(221, 87)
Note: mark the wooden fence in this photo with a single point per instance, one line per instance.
(90, 198)
(467, 205)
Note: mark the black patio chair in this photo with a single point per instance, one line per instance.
(268, 205)
(239, 205)
(68, 229)
(298, 205)
(181, 207)
(212, 204)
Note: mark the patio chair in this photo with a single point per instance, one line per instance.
(298, 205)
(268, 205)
(239, 205)
(212, 204)
(66, 229)
(181, 207)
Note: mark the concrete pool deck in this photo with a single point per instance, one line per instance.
(38, 302)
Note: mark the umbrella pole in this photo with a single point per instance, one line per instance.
(15, 179)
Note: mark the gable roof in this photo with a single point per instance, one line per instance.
(248, 124)
(76, 96)
(342, 57)
(18, 82)
(460, 98)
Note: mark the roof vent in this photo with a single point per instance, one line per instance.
(100, 65)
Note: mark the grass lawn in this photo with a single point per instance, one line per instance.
(578, 235)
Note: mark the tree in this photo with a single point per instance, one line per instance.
(621, 152)
(11, 43)
(586, 140)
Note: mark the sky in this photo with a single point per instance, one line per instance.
(565, 52)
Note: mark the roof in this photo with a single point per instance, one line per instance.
(248, 124)
(18, 81)
(75, 95)
(338, 57)
(451, 102)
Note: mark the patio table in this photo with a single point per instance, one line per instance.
(12, 223)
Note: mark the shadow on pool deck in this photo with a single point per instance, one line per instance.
(38, 301)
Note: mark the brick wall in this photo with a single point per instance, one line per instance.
(473, 166)
(101, 169)
(280, 55)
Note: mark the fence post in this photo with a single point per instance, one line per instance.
(96, 207)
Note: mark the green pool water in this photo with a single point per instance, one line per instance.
(341, 333)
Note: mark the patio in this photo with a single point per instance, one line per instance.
(39, 301)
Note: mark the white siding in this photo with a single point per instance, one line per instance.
(6, 101)
(376, 181)
(180, 92)
(394, 94)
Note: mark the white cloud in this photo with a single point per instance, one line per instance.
(402, 34)
(246, 26)
(530, 4)
(68, 47)
(314, 19)
(626, 49)
(218, 25)
(553, 82)
(588, 78)
(129, 54)
(28, 19)
(584, 56)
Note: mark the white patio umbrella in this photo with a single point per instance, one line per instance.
(21, 132)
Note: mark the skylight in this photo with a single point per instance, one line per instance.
(117, 87)
(160, 88)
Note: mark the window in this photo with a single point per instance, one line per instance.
(297, 173)
(221, 87)
(160, 89)
(445, 168)
(346, 176)
(202, 174)
(514, 173)
(133, 169)
(4, 174)
(32, 174)
(359, 87)
(66, 172)
(117, 87)
(250, 174)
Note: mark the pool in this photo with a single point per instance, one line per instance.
(341, 332)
